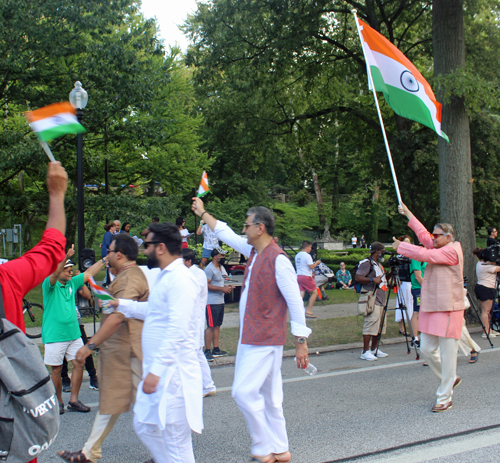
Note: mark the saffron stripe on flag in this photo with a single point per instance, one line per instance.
(50, 110)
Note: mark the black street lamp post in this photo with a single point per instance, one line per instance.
(78, 99)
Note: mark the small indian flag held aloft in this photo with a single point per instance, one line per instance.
(54, 121)
(99, 292)
(404, 88)
(203, 189)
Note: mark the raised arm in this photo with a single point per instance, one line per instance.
(57, 182)
(94, 270)
(54, 276)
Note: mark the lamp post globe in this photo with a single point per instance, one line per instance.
(79, 98)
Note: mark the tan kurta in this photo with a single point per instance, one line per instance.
(117, 392)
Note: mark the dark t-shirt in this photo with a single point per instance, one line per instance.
(491, 242)
(365, 269)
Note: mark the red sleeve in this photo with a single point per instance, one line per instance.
(20, 275)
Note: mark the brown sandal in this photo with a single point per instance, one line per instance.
(78, 406)
(73, 457)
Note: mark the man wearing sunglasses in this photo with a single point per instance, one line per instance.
(441, 303)
(269, 288)
(169, 400)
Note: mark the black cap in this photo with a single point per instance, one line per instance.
(377, 246)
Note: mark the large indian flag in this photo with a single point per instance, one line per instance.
(404, 88)
(54, 121)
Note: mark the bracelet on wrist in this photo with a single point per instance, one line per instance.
(201, 216)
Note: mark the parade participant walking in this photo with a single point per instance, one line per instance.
(442, 301)
(169, 399)
(210, 242)
(61, 333)
(189, 258)
(215, 304)
(269, 287)
(180, 222)
(19, 276)
(119, 342)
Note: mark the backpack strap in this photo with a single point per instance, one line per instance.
(2, 309)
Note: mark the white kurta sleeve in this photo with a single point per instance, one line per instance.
(133, 309)
(228, 236)
(178, 317)
(286, 279)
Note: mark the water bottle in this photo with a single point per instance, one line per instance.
(230, 276)
(310, 370)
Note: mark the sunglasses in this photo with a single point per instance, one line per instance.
(246, 225)
(147, 243)
(437, 235)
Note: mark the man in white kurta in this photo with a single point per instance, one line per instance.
(257, 387)
(169, 399)
(189, 261)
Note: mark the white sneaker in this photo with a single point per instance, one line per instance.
(493, 334)
(380, 354)
(368, 356)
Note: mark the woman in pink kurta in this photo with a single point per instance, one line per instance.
(442, 301)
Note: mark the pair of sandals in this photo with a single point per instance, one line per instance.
(79, 457)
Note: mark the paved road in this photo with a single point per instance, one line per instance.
(349, 409)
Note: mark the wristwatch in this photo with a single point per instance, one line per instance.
(301, 340)
(371, 280)
(91, 345)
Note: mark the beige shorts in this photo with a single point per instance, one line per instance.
(371, 326)
(56, 351)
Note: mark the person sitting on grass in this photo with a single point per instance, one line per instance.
(344, 278)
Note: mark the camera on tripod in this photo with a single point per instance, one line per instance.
(400, 266)
(492, 254)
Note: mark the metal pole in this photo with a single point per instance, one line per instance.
(81, 206)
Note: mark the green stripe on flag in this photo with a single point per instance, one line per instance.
(404, 103)
(59, 131)
(200, 195)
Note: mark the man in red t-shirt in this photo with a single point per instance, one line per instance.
(19, 276)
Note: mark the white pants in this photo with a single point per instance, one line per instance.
(466, 344)
(258, 392)
(404, 294)
(208, 383)
(172, 444)
(441, 355)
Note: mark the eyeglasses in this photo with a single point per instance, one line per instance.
(437, 235)
(147, 243)
(246, 225)
(112, 250)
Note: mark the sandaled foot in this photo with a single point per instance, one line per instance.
(263, 459)
(73, 457)
(473, 357)
(78, 406)
(283, 457)
(311, 315)
(61, 408)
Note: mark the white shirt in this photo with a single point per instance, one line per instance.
(210, 240)
(184, 233)
(202, 300)
(486, 275)
(285, 279)
(170, 339)
(302, 261)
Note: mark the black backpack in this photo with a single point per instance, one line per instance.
(29, 409)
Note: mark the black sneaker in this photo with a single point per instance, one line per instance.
(94, 384)
(66, 386)
(209, 355)
(218, 353)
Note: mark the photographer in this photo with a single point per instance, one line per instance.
(442, 302)
(492, 237)
(486, 287)
(369, 274)
(404, 291)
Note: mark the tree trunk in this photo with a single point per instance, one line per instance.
(455, 173)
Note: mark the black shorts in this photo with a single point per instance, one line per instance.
(215, 314)
(484, 294)
(416, 299)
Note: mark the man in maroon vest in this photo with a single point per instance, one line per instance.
(269, 289)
